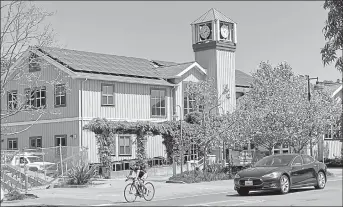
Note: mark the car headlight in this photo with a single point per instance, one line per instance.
(272, 175)
(237, 176)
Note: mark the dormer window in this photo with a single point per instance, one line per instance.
(34, 63)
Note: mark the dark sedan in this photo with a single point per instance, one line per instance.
(281, 173)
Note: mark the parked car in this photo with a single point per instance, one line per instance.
(281, 173)
(33, 163)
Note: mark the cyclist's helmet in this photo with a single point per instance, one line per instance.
(134, 166)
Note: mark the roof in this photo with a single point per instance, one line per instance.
(81, 61)
(211, 15)
(243, 79)
(172, 70)
(124, 69)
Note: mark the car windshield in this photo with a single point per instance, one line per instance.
(281, 160)
(33, 159)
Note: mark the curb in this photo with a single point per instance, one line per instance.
(175, 181)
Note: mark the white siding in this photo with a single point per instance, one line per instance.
(226, 76)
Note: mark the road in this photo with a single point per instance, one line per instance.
(331, 195)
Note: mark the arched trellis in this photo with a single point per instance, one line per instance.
(105, 131)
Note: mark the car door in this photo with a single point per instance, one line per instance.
(297, 171)
(309, 169)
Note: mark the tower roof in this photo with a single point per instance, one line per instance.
(211, 15)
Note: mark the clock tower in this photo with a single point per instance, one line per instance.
(214, 42)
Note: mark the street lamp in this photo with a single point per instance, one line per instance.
(309, 99)
(181, 141)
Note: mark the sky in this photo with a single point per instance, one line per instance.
(273, 31)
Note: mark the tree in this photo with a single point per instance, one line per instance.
(333, 33)
(212, 125)
(22, 25)
(276, 110)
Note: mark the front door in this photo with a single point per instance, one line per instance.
(297, 173)
(309, 171)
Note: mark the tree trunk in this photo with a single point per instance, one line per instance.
(205, 158)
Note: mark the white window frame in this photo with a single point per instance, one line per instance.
(61, 93)
(35, 138)
(60, 137)
(12, 140)
(12, 103)
(31, 97)
(125, 153)
(106, 94)
(158, 99)
(282, 149)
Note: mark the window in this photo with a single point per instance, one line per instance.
(307, 159)
(35, 142)
(61, 140)
(297, 161)
(60, 95)
(125, 145)
(35, 98)
(12, 143)
(12, 100)
(188, 104)
(107, 95)
(158, 102)
(34, 63)
(281, 148)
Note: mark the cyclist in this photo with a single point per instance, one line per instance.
(138, 172)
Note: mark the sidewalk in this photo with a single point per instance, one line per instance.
(112, 193)
(336, 171)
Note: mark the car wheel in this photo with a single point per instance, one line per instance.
(321, 181)
(284, 184)
(243, 192)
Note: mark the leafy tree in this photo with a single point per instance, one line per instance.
(207, 105)
(22, 25)
(333, 33)
(277, 110)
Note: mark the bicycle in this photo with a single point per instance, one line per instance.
(135, 189)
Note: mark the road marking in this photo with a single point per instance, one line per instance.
(180, 197)
(240, 202)
(103, 204)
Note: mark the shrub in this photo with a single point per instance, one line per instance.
(15, 195)
(212, 173)
(81, 173)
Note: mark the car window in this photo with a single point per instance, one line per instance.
(307, 159)
(297, 161)
(274, 160)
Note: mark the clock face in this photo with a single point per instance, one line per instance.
(205, 32)
(224, 31)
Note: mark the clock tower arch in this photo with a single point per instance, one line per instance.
(214, 42)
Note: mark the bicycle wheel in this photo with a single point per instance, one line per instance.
(130, 193)
(149, 192)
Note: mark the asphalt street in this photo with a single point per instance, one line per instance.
(330, 196)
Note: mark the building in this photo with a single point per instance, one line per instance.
(73, 87)
(332, 139)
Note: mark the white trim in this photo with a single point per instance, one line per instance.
(201, 69)
(337, 91)
(54, 63)
(39, 122)
(49, 121)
